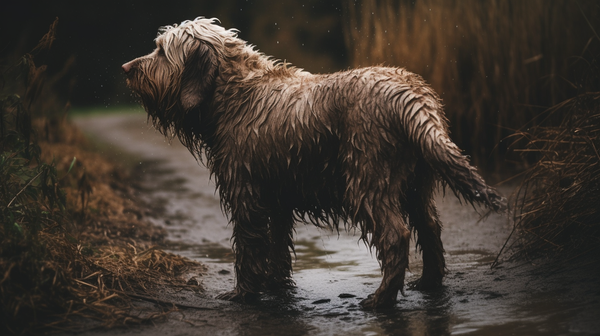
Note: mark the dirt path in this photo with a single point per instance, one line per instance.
(334, 272)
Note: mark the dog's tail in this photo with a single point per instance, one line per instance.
(426, 127)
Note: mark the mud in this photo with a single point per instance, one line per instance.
(334, 271)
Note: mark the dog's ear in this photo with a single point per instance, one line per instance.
(198, 77)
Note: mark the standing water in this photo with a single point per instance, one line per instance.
(335, 271)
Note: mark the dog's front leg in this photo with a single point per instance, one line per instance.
(251, 246)
(282, 244)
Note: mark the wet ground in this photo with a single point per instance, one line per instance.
(333, 272)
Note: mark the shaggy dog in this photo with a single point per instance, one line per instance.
(365, 148)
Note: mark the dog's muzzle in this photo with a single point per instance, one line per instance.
(127, 66)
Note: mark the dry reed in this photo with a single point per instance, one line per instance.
(558, 199)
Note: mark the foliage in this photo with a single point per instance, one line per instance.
(72, 248)
(31, 202)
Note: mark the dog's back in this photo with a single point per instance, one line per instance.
(326, 144)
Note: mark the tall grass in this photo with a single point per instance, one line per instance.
(496, 64)
(32, 206)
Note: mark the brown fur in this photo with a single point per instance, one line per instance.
(365, 147)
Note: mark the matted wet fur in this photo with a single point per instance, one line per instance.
(365, 147)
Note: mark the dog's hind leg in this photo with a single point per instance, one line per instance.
(423, 217)
(282, 244)
(251, 246)
(391, 239)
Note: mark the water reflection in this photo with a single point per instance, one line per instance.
(433, 317)
(209, 252)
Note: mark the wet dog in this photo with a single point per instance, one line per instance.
(364, 148)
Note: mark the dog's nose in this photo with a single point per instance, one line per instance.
(126, 67)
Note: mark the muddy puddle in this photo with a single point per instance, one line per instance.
(333, 272)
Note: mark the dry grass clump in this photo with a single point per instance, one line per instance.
(496, 64)
(559, 196)
(72, 246)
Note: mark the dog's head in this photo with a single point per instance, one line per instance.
(179, 76)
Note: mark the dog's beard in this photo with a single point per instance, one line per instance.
(132, 81)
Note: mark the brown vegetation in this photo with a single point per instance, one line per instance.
(558, 199)
(73, 246)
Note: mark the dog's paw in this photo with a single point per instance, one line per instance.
(425, 284)
(368, 302)
(238, 296)
(373, 302)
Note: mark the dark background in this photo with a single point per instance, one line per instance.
(94, 38)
